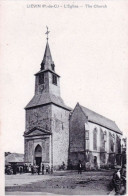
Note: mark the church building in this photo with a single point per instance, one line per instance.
(94, 139)
(54, 133)
(46, 136)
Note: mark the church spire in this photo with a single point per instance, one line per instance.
(47, 62)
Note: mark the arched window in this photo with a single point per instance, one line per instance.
(111, 142)
(118, 144)
(105, 136)
(95, 139)
(38, 148)
(102, 141)
(53, 66)
(41, 78)
(54, 79)
(42, 66)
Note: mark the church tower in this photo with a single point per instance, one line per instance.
(46, 136)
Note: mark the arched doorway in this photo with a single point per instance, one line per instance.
(38, 154)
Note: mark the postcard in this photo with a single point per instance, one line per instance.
(64, 107)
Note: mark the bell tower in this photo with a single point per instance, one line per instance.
(46, 136)
(47, 81)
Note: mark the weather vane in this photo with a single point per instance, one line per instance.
(47, 32)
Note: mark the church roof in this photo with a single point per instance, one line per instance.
(14, 157)
(46, 98)
(100, 120)
(47, 54)
(42, 71)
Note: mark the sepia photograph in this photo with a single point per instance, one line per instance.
(64, 97)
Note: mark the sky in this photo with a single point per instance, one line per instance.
(89, 49)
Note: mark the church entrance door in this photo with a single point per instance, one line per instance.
(38, 155)
(38, 160)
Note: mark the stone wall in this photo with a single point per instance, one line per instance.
(48, 86)
(56, 120)
(60, 136)
(30, 146)
(77, 130)
(39, 117)
(45, 86)
(77, 136)
(54, 89)
(105, 157)
(84, 149)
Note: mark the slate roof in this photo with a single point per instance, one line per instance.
(47, 55)
(100, 120)
(42, 71)
(46, 98)
(14, 157)
(47, 59)
(7, 163)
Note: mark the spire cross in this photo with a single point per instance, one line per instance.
(47, 32)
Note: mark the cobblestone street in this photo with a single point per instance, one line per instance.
(62, 182)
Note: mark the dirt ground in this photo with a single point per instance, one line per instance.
(62, 182)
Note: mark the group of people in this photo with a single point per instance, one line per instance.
(24, 169)
(119, 180)
(41, 169)
(14, 169)
(118, 183)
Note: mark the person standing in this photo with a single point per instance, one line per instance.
(79, 167)
(123, 179)
(14, 168)
(42, 169)
(51, 169)
(38, 169)
(29, 168)
(25, 168)
(117, 179)
(47, 169)
(32, 169)
(20, 169)
(63, 166)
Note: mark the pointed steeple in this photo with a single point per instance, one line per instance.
(47, 83)
(47, 62)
